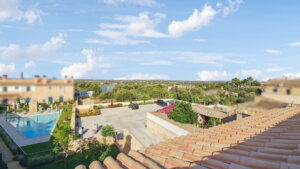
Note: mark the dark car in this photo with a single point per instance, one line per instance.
(133, 106)
(161, 103)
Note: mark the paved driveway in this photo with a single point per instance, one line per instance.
(122, 118)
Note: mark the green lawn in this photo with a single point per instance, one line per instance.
(36, 148)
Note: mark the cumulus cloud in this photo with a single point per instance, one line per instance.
(142, 76)
(272, 51)
(256, 74)
(196, 21)
(233, 5)
(134, 2)
(9, 10)
(291, 75)
(205, 75)
(216, 75)
(294, 44)
(275, 69)
(30, 64)
(7, 68)
(34, 50)
(129, 28)
(81, 69)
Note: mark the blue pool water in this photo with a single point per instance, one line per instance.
(34, 126)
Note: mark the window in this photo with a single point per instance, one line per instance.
(4, 101)
(4, 89)
(16, 87)
(27, 100)
(50, 100)
(288, 91)
(61, 98)
(61, 87)
(275, 90)
(27, 88)
(50, 87)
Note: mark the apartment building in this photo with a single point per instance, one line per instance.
(284, 90)
(38, 89)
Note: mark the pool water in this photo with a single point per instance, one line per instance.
(35, 125)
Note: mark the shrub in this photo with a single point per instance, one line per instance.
(108, 131)
(183, 113)
(75, 136)
(3, 165)
(39, 160)
(112, 151)
(211, 121)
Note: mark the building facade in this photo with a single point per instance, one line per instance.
(284, 90)
(42, 90)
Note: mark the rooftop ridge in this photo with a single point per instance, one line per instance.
(265, 140)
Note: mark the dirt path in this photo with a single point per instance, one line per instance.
(7, 157)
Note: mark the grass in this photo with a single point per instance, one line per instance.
(36, 148)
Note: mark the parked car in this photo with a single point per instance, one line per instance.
(161, 103)
(133, 106)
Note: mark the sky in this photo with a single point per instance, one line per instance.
(194, 40)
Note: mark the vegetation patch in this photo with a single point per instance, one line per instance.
(183, 113)
(108, 131)
(37, 148)
(96, 151)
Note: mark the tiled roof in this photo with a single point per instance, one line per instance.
(208, 111)
(283, 82)
(265, 141)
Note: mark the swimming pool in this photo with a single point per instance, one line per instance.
(35, 125)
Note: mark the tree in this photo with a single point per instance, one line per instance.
(183, 113)
(212, 121)
(235, 82)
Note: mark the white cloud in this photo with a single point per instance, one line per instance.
(196, 21)
(134, 2)
(233, 5)
(200, 40)
(30, 64)
(104, 71)
(272, 51)
(256, 74)
(81, 69)
(129, 28)
(141, 76)
(205, 75)
(9, 10)
(7, 68)
(291, 75)
(275, 69)
(34, 50)
(294, 43)
(157, 62)
(219, 4)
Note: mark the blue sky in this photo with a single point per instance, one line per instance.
(150, 39)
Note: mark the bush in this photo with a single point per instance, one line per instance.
(39, 160)
(3, 165)
(75, 136)
(183, 113)
(211, 121)
(112, 151)
(108, 131)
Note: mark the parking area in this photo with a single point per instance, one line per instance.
(122, 118)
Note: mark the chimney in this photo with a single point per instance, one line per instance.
(72, 79)
(4, 77)
(44, 79)
(66, 79)
(36, 78)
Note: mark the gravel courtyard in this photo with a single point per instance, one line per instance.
(122, 118)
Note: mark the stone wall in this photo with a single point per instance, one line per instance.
(162, 128)
(130, 142)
